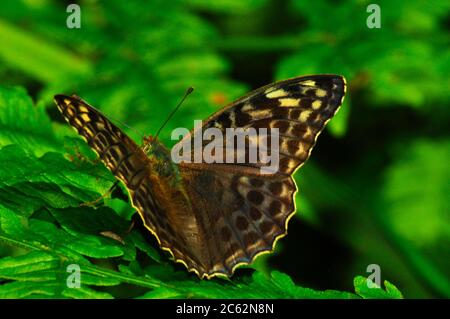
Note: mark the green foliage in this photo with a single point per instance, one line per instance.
(362, 54)
(363, 289)
(375, 189)
(24, 124)
(421, 163)
(40, 213)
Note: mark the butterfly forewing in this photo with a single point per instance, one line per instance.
(127, 161)
(299, 108)
(118, 152)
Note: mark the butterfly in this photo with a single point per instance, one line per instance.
(214, 217)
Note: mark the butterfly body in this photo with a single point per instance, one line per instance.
(213, 217)
(160, 159)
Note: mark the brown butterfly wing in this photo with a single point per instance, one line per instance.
(127, 161)
(240, 215)
(298, 107)
(243, 211)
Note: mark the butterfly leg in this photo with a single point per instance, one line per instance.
(96, 201)
(130, 228)
(116, 237)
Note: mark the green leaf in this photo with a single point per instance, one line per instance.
(21, 289)
(227, 6)
(48, 274)
(414, 208)
(162, 293)
(408, 81)
(50, 180)
(23, 123)
(375, 292)
(28, 267)
(410, 205)
(278, 285)
(338, 125)
(41, 52)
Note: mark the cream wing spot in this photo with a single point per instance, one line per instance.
(308, 133)
(316, 104)
(277, 94)
(89, 132)
(304, 116)
(308, 83)
(100, 125)
(247, 107)
(232, 117)
(70, 110)
(83, 109)
(77, 122)
(259, 114)
(288, 102)
(290, 128)
(85, 118)
(300, 150)
(321, 93)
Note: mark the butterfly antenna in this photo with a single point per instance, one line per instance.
(188, 91)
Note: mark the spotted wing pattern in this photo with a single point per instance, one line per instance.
(127, 161)
(299, 108)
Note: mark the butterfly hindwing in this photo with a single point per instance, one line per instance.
(242, 215)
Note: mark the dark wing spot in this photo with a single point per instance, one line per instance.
(255, 197)
(255, 214)
(255, 182)
(305, 103)
(276, 188)
(225, 233)
(251, 238)
(295, 114)
(224, 119)
(266, 227)
(298, 129)
(282, 126)
(275, 208)
(241, 223)
(292, 146)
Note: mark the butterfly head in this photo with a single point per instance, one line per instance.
(148, 143)
(148, 139)
(159, 156)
